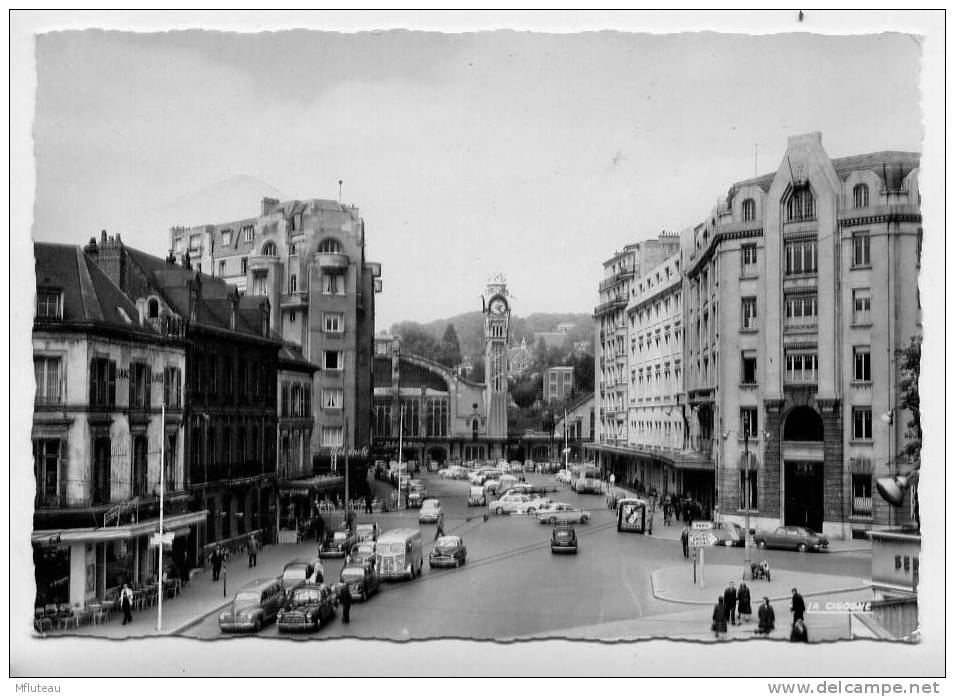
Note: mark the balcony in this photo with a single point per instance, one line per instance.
(615, 279)
(614, 304)
(332, 261)
(295, 299)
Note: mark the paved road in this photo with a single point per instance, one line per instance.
(513, 586)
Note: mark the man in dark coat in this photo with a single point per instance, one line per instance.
(798, 607)
(216, 560)
(344, 597)
(319, 527)
(253, 551)
(685, 540)
(719, 618)
(767, 617)
(743, 603)
(799, 632)
(729, 602)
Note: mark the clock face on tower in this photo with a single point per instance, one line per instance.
(498, 306)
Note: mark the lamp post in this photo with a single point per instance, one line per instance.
(162, 486)
(747, 563)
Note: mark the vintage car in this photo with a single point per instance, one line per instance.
(366, 532)
(360, 579)
(416, 493)
(530, 505)
(563, 540)
(476, 496)
(430, 510)
(337, 544)
(563, 476)
(507, 503)
(257, 604)
(792, 537)
(562, 513)
(729, 535)
(299, 571)
(363, 551)
(306, 608)
(448, 550)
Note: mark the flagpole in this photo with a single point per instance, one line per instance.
(162, 487)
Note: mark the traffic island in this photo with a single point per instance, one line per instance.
(676, 584)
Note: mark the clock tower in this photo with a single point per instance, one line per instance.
(497, 314)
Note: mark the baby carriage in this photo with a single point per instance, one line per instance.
(760, 570)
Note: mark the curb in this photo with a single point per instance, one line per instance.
(197, 620)
(833, 591)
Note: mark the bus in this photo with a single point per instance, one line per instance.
(398, 554)
(585, 479)
(635, 515)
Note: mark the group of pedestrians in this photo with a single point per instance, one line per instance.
(734, 607)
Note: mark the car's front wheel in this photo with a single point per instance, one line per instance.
(499, 510)
(801, 547)
(553, 520)
(258, 624)
(761, 544)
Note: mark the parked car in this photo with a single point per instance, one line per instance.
(307, 607)
(299, 571)
(563, 476)
(531, 504)
(416, 493)
(476, 496)
(360, 579)
(792, 537)
(563, 540)
(448, 550)
(507, 503)
(430, 510)
(338, 544)
(253, 607)
(363, 551)
(493, 485)
(366, 532)
(729, 535)
(562, 513)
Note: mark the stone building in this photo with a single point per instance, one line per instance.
(104, 369)
(308, 258)
(558, 382)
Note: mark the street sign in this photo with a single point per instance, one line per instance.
(702, 525)
(167, 538)
(699, 538)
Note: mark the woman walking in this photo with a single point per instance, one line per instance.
(719, 619)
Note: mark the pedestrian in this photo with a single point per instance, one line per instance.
(439, 530)
(688, 513)
(350, 518)
(253, 551)
(744, 603)
(216, 560)
(319, 527)
(798, 606)
(126, 602)
(729, 602)
(799, 632)
(367, 504)
(719, 618)
(344, 597)
(767, 618)
(666, 512)
(685, 540)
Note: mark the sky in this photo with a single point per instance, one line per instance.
(535, 155)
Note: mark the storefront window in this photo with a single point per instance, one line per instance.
(51, 567)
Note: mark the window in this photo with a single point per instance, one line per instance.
(332, 436)
(49, 304)
(284, 410)
(332, 398)
(748, 499)
(140, 385)
(194, 242)
(291, 317)
(748, 368)
(801, 309)
(748, 252)
(860, 196)
(226, 238)
(862, 423)
(333, 360)
(47, 372)
(172, 387)
(247, 233)
(49, 464)
(291, 249)
(170, 463)
(330, 246)
(245, 265)
(860, 249)
(334, 322)
(292, 283)
(801, 367)
(748, 421)
(212, 376)
(102, 382)
(749, 313)
(268, 249)
(334, 283)
(801, 205)
(800, 257)
(862, 367)
(862, 494)
(179, 244)
(297, 222)
(221, 269)
(749, 210)
(861, 306)
(260, 283)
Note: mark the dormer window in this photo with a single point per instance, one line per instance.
(226, 238)
(296, 222)
(330, 246)
(860, 196)
(152, 308)
(268, 249)
(248, 233)
(801, 205)
(49, 303)
(749, 210)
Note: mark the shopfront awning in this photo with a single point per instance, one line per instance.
(110, 533)
(304, 487)
(678, 459)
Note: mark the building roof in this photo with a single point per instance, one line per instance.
(291, 357)
(88, 294)
(579, 400)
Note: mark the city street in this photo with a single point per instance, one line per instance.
(512, 586)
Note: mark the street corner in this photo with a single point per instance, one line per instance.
(678, 584)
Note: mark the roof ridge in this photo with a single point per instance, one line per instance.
(91, 309)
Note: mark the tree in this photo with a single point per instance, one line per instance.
(477, 370)
(583, 373)
(524, 392)
(450, 347)
(909, 398)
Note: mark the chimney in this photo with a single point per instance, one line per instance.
(92, 250)
(269, 205)
(110, 256)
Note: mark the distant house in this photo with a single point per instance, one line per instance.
(558, 382)
(518, 359)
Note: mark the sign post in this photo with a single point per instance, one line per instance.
(699, 538)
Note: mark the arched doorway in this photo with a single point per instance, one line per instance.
(803, 463)
(437, 453)
(540, 453)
